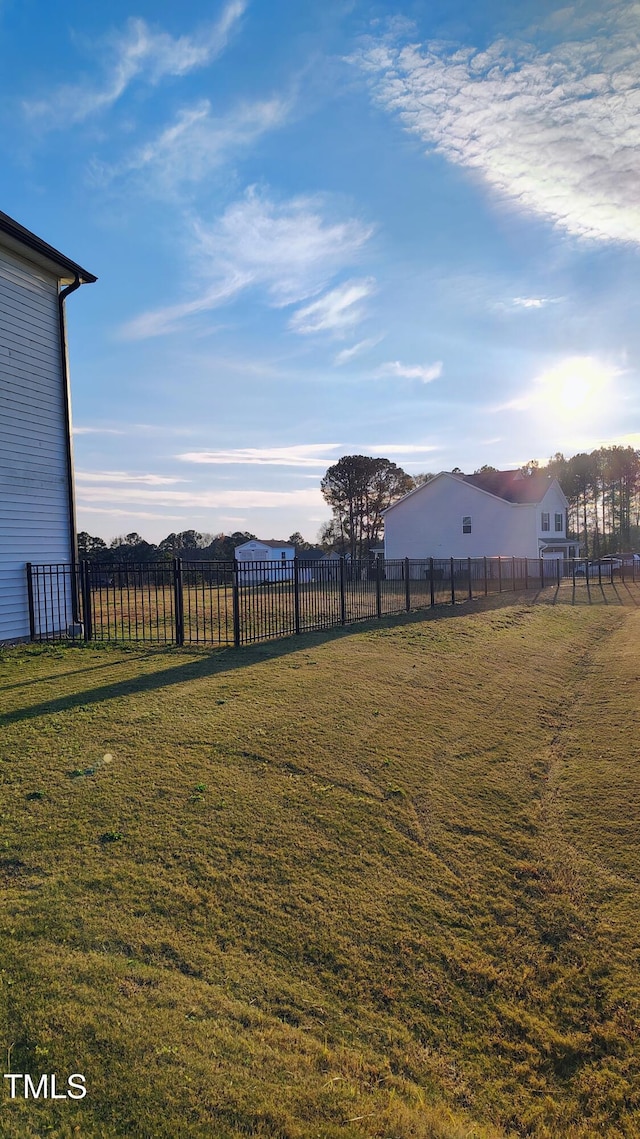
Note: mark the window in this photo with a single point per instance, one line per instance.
(283, 555)
(559, 523)
(466, 524)
(545, 524)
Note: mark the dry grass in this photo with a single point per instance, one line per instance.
(382, 883)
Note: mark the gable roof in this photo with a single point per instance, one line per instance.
(267, 542)
(513, 486)
(15, 236)
(510, 486)
(312, 555)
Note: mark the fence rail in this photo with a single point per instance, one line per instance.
(240, 603)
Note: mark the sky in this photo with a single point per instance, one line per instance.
(407, 229)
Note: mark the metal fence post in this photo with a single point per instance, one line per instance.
(541, 573)
(296, 595)
(407, 587)
(432, 583)
(453, 584)
(513, 572)
(633, 568)
(526, 573)
(469, 579)
(378, 588)
(573, 572)
(343, 599)
(486, 580)
(499, 574)
(621, 569)
(558, 572)
(85, 585)
(178, 601)
(235, 599)
(32, 608)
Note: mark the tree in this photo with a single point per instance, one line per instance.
(358, 488)
(421, 479)
(90, 547)
(299, 542)
(185, 540)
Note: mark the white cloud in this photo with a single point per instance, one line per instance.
(347, 354)
(238, 499)
(400, 448)
(124, 477)
(557, 131)
(302, 455)
(291, 250)
(120, 513)
(336, 311)
(530, 302)
(197, 142)
(138, 52)
(424, 372)
(97, 431)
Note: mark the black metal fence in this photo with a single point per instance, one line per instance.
(239, 603)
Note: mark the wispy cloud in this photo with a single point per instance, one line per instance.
(97, 431)
(530, 302)
(196, 143)
(401, 448)
(424, 372)
(557, 131)
(301, 455)
(348, 354)
(124, 477)
(337, 311)
(289, 249)
(120, 512)
(235, 499)
(139, 52)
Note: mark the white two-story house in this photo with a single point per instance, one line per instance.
(496, 513)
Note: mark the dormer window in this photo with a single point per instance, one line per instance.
(545, 524)
(466, 524)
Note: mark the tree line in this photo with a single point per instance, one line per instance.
(189, 544)
(602, 489)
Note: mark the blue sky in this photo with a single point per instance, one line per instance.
(408, 230)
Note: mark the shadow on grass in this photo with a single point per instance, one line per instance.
(214, 661)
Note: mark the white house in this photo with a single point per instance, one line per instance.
(275, 561)
(496, 513)
(37, 513)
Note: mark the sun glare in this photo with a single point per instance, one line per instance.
(577, 388)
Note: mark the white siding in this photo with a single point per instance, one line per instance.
(428, 524)
(34, 512)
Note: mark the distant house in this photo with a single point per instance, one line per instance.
(37, 511)
(265, 560)
(496, 513)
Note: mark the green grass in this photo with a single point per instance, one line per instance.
(382, 882)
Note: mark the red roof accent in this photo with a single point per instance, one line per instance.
(513, 486)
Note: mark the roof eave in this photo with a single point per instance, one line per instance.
(20, 240)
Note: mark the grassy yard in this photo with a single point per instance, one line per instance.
(381, 882)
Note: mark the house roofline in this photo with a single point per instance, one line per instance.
(462, 479)
(19, 238)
